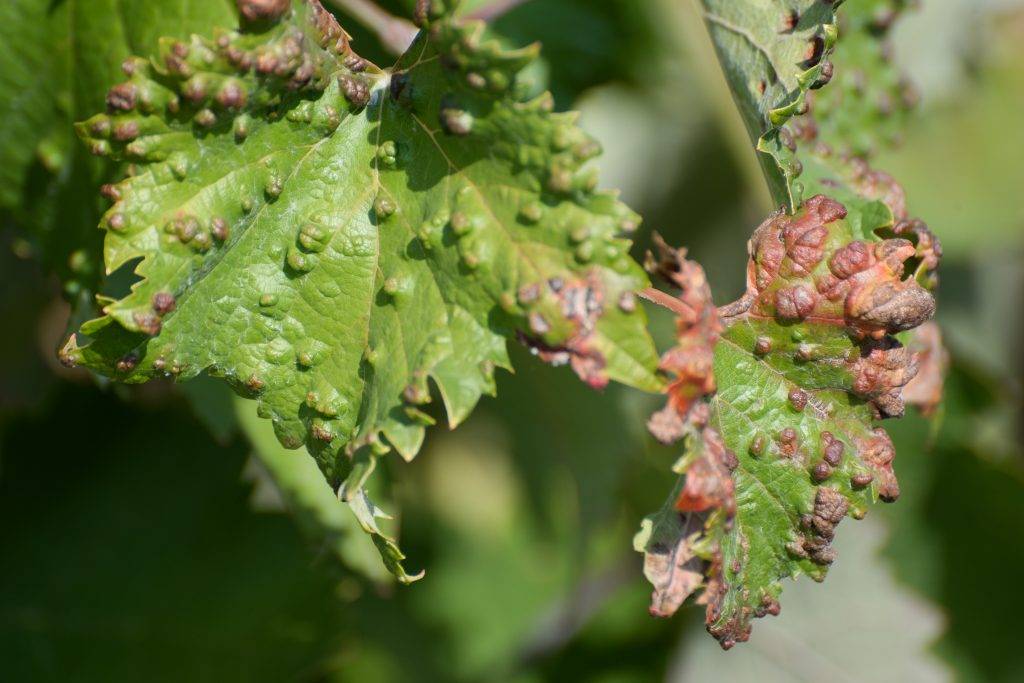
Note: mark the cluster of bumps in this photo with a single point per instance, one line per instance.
(291, 62)
(805, 273)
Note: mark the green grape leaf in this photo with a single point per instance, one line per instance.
(773, 52)
(777, 396)
(866, 104)
(56, 66)
(328, 236)
(323, 519)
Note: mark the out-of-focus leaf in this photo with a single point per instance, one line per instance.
(969, 184)
(136, 557)
(325, 520)
(865, 105)
(967, 495)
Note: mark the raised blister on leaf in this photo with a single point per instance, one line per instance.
(321, 234)
(780, 440)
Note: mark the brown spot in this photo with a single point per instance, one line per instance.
(821, 471)
(795, 303)
(356, 91)
(833, 452)
(889, 306)
(763, 346)
(163, 303)
(582, 305)
(126, 131)
(219, 229)
(880, 374)
(790, 20)
(850, 259)
(878, 452)
(232, 96)
(148, 322)
(815, 49)
(111, 192)
(263, 10)
(798, 399)
(859, 481)
(322, 432)
(122, 97)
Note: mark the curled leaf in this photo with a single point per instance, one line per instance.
(780, 440)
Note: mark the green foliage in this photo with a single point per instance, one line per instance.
(58, 61)
(328, 236)
(772, 54)
(778, 399)
(522, 516)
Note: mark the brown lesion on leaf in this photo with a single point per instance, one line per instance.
(863, 286)
(705, 505)
(877, 452)
(884, 368)
(677, 571)
(263, 10)
(690, 363)
(925, 390)
(805, 270)
(706, 499)
(579, 303)
(819, 527)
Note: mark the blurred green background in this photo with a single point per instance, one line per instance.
(141, 538)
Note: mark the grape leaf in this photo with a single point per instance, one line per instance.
(773, 53)
(776, 395)
(328, 236)
(57, 63)
(825, 636)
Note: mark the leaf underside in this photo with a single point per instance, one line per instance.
(773, 53)
(328, 236)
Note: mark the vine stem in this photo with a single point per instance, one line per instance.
(395, 33)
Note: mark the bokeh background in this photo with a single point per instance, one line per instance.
(140, 538)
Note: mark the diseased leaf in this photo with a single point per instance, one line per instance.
(780, 438)
(328, 236)
(867, 627)
(773, 52)
(58, 60)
